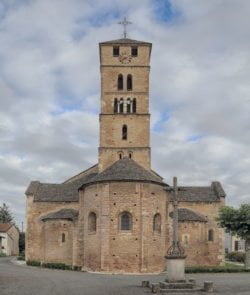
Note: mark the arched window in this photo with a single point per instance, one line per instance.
(120, 82)
(129, 82)
(121, 105)
(211, 235)
(115, 105)
(128, 105)
(92, 222)
(120, 155)
(63, 237)
(125, 221)
(134, 105)
(157, 223)
(124, 132)
(130, 155)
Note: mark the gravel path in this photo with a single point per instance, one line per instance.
(28, 280)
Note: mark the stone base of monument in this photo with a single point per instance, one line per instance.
(183, 286)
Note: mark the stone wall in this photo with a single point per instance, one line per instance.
(199, 250)
(111, 249)
(39, 242)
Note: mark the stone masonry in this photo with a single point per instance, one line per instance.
(116, 216)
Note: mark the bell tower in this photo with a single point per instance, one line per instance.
(124, 117)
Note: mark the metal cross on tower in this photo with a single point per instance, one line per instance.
(125, 22)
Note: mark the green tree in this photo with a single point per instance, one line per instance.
(5, 214)
(237, 222)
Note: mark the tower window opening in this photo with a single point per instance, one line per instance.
(120, 82)
(120, 154)
(125, 221)
(129, 82)
(134, 50)
(124, 132)
(134, 105)
(130, 155)
(116, 51)
(121, 105)
(128, 105)
(63, 238)
(115, 105)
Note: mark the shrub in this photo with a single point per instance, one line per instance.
(21, 256)
(215, 269)
(236, 256)
(56, 265)
(33, 263)
(2, 255)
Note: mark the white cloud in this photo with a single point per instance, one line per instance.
(50, 89)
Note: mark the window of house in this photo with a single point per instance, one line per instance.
(116, 50)
(124, 132)
(129, 82)
(157, 223)
(236, 246)
(92, 222)
(120, 82)
(125, 221)
(134, 50)
(63, 237)
(210, 235)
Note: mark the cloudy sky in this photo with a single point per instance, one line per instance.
(50, 89)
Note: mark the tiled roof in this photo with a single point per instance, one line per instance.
(69, 214)
(201, 193)
(4, 227)
(125, 41)
(185, 214)
(126, 169)
(59, 192)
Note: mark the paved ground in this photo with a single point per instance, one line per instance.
(28, 280)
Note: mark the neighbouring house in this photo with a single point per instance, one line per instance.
(9, 239)
(234, 243)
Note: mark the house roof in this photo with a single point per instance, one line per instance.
(69, 214)
(4, 227)
(125, 41)
(125, 169)
(185, 214)
(211, 193)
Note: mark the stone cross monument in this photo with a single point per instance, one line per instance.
(175, 255)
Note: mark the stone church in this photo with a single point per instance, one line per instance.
(116, 215)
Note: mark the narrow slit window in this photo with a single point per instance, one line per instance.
(210, 235)
(128, 105)
(120, 82)
(116, 51)
(157, 223)
(134, 50)
(92, 222)
(124, 132)
(129, 82)
(134, 105)
(115, 105)
(63, 237)
(121, 104)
